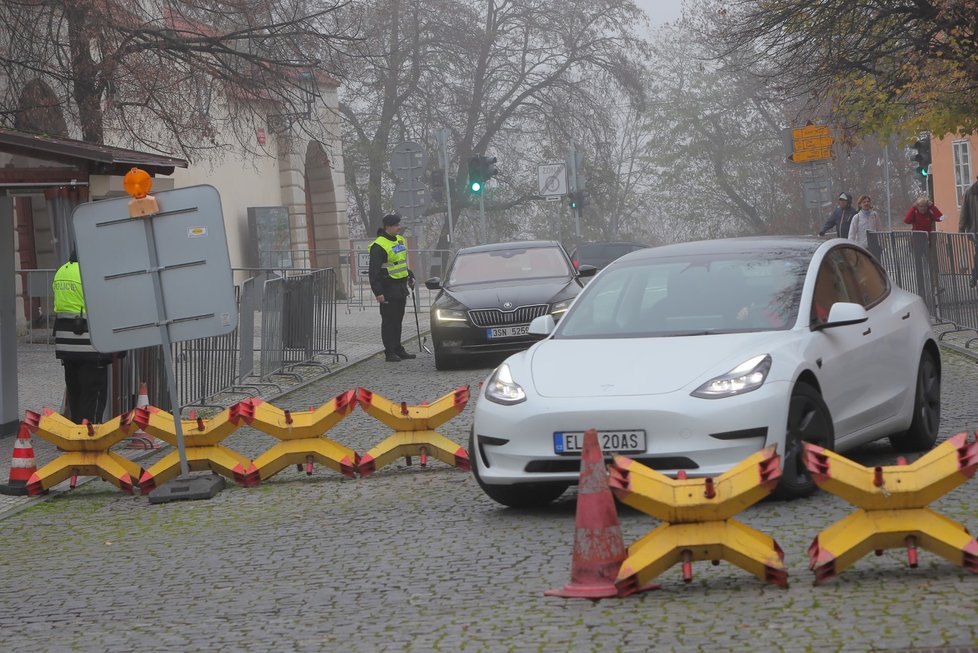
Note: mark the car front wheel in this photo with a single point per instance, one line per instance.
(809, 420)
(922, 433)
(522, 495)
(443, 361)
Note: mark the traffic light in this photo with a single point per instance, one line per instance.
(437, 180)
(921, 156)
(489, 167)
(573, 201)
(477, 173)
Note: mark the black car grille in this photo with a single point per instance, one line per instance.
(493, 317)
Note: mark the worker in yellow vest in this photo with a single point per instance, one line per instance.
(390, 281)
(86, 379)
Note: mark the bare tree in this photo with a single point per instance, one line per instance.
(167, 75)
(490, 71)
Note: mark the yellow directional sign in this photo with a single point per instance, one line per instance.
(811, 131)
(813, 143)
(812, 155)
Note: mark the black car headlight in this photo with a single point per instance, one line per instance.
(449, 315)
(747, 376)
(502, 389)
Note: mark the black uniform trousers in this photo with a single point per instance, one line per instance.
(86, 383)
(391, 316)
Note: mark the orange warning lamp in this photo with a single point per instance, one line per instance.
(138, 183)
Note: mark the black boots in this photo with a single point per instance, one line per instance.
(404, 354)
(392, 358)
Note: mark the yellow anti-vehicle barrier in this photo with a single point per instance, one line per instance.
(86, 448)
(301, 435)
(414, 430)
(698, 519)
(893, 510)
(201, 440)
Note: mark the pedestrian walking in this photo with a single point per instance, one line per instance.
(864, 221)
(390, 281)
(923, 215)
(841, 217)
(86, 379)
(968, 224)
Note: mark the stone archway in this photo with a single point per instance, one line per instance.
(325, 221)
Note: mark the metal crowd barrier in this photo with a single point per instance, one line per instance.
(298, 321)
(938, 266)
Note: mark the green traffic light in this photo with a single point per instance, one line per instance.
(475, 187)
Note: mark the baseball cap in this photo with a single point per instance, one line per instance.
(845, 196)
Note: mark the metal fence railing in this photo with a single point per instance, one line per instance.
(940, 267)
(298, 327)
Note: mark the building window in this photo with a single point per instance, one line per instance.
(962, 168)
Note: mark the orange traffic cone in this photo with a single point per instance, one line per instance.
(599, 548)
(140, 439)
(22, 465)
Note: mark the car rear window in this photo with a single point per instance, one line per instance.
(604, 253)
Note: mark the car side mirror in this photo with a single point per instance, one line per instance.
(585, 270)
(434, 283)
(843, 314)
(543, 325)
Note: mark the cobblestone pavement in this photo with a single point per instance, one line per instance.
(418, 559)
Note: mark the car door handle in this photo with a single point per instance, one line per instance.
(906, 317)
(867, 332)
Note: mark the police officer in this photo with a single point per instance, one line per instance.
(390, 280)
(85, 369)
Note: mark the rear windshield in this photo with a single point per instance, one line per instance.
(604, 253)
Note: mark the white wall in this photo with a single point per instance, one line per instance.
(242, 182)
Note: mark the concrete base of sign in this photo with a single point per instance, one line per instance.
(188, 488)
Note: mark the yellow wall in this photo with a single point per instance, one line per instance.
(943, 175)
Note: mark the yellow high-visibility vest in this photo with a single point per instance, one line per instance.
(396, 264)
(68, 295)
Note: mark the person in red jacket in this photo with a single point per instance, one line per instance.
(923, 215)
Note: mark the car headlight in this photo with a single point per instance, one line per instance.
(449, 315)
(747, 376)
(559, 308)
(502, 389)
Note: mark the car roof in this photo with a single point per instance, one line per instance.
(800, 245)
(604, 243)
(516, 244)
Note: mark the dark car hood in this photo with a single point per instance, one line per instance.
(518, 293)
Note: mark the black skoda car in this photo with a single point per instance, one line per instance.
(492, 292)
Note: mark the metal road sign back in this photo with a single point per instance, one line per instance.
(193, 270)
(552, 178)
(408, 162)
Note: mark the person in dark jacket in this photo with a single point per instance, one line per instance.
(86, 379)
(390, 281)
(968, 224)
(841, 217)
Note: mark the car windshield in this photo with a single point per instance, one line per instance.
(508, 265)
(672, 297)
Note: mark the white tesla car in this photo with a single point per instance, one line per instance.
(693, 356)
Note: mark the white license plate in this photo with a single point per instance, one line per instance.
(566, 442)
(507, 332)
